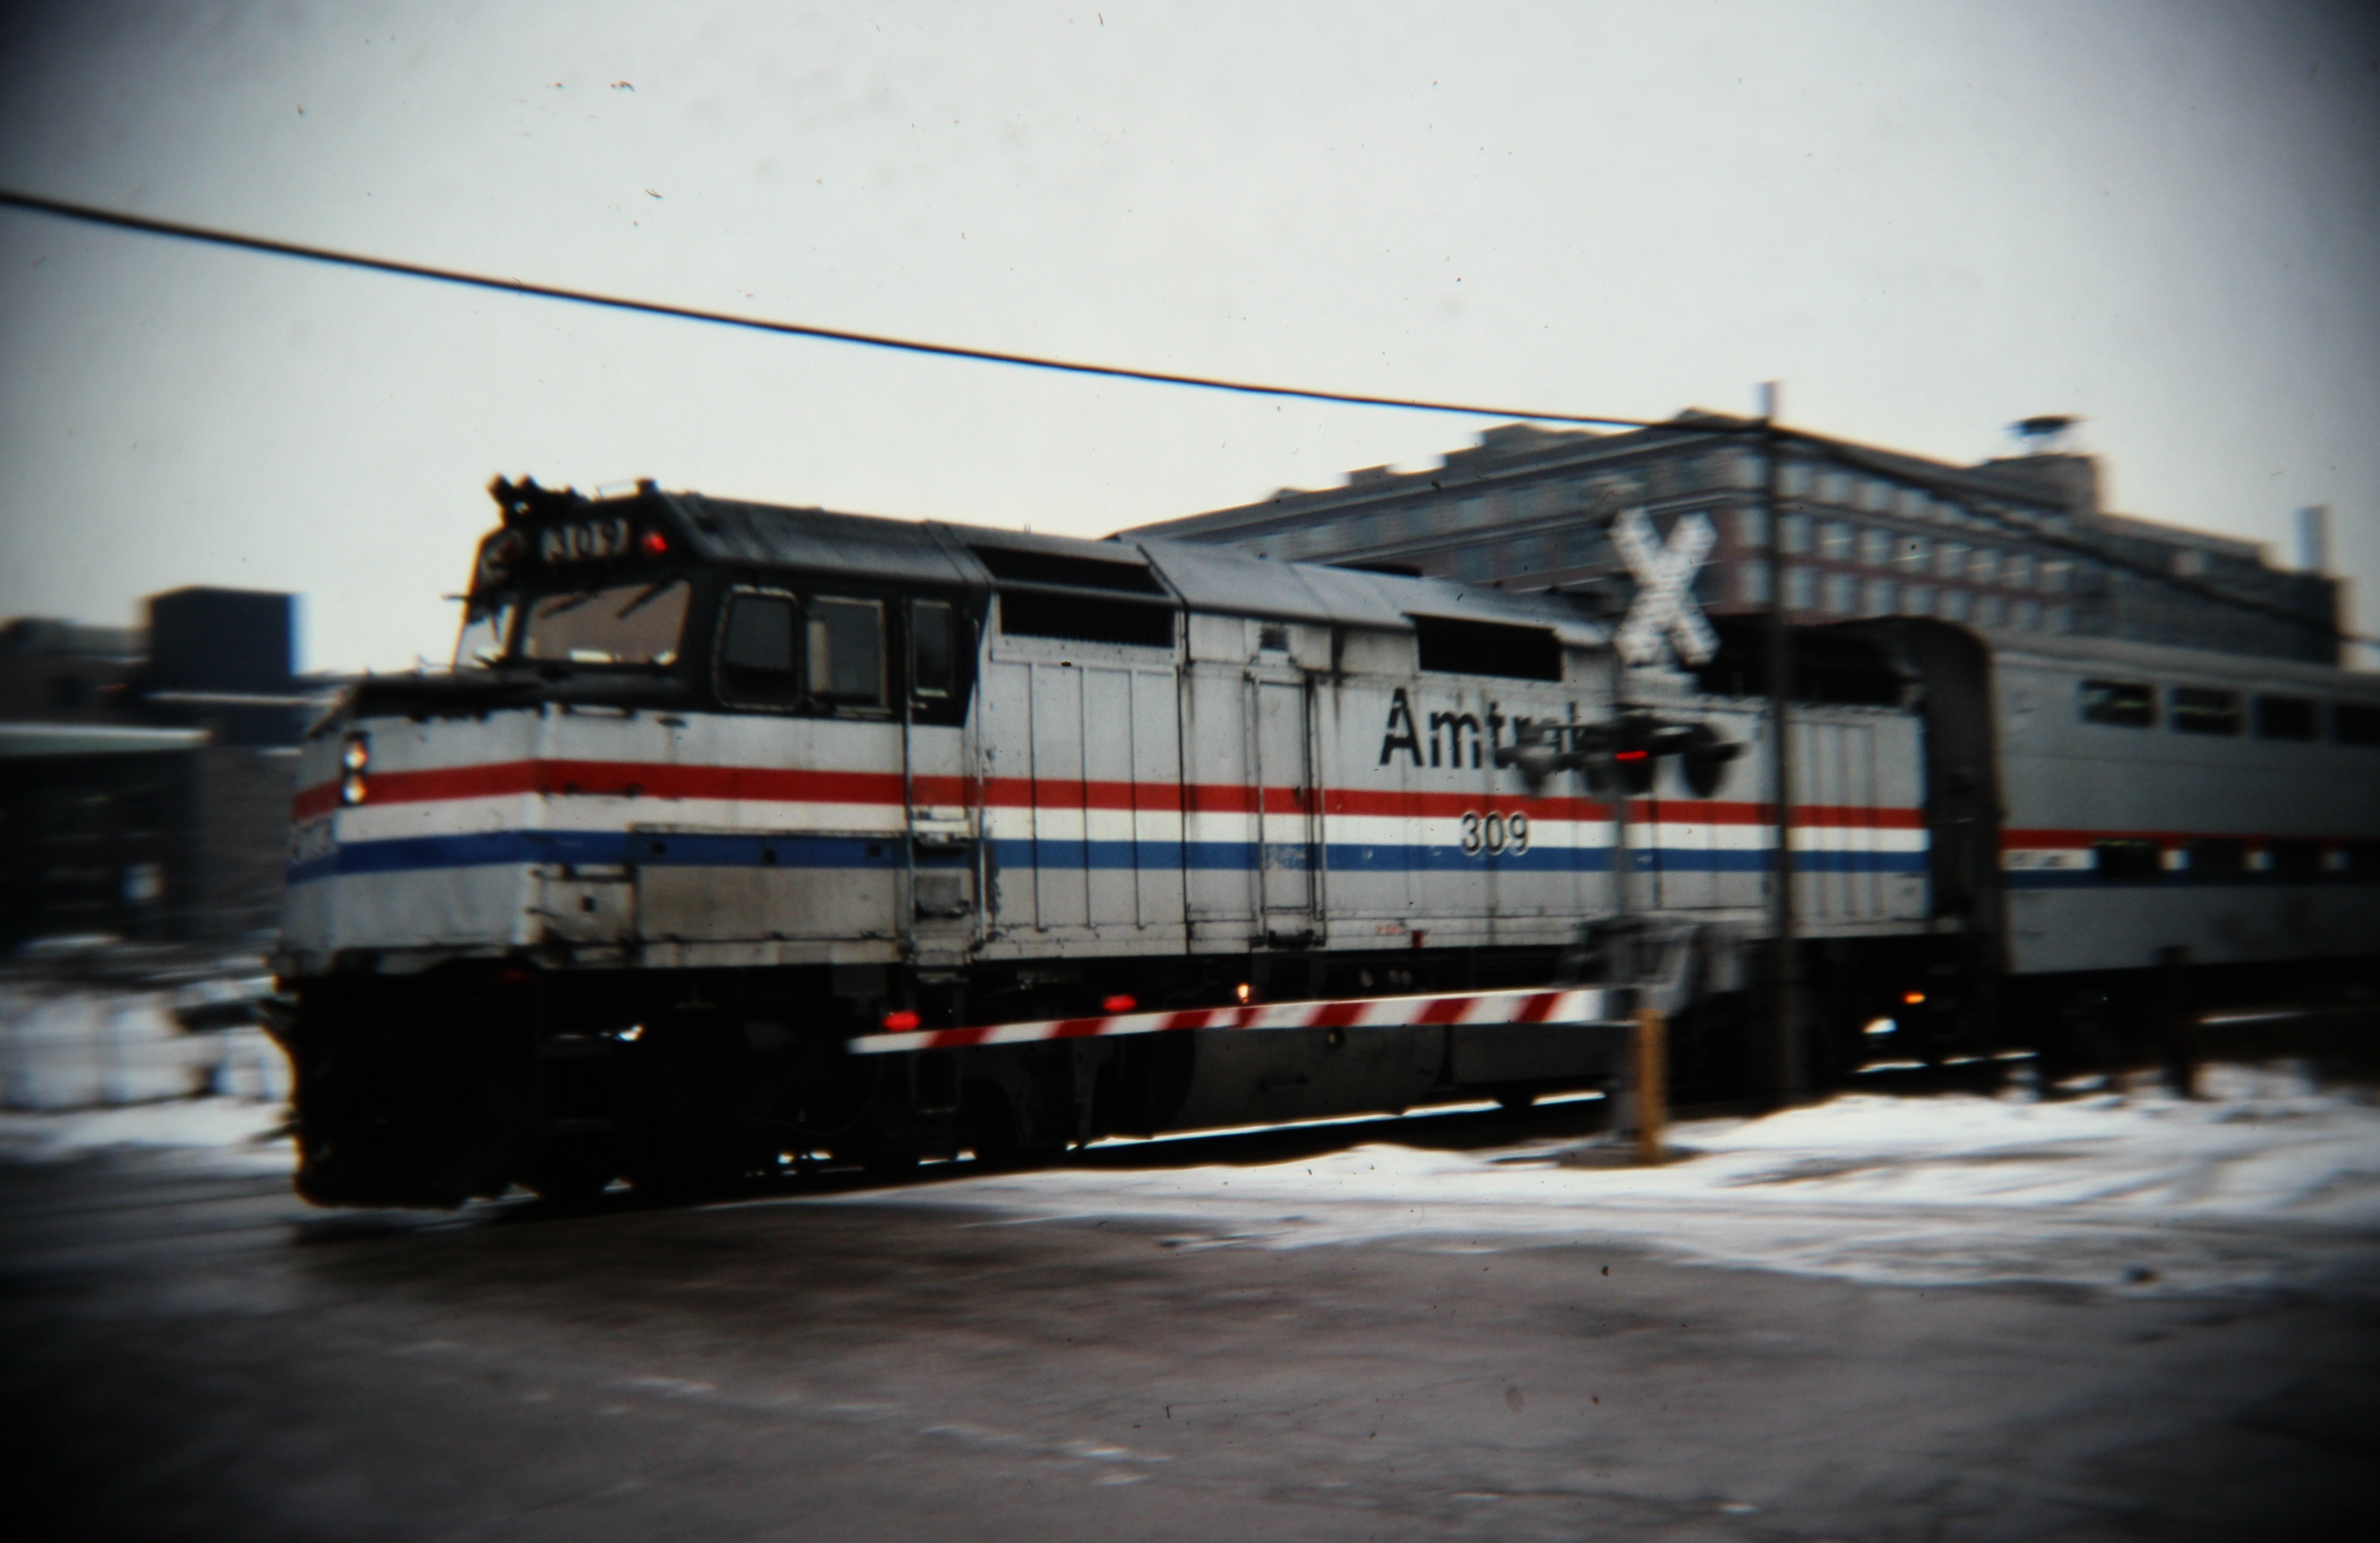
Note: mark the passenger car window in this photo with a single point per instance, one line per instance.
(2203, 710)
(633, 624)
(933, 648)
(2127, 860)
(2125, 704)
(2285, 718)
(756, 650)
(845, 647)
(2214, 859)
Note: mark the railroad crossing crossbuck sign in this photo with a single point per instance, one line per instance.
(1664, 609)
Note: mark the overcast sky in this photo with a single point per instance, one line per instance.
(1925, 220)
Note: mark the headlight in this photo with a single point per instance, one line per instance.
(355, 756)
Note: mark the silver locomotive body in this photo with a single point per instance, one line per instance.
(729, 788)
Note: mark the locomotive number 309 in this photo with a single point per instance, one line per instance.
(1494, 832)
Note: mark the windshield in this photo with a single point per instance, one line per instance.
(486, 627)
(634, 624)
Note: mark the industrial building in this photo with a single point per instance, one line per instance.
(2019, 543)
(145, 774)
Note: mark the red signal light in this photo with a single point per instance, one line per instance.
(1120, 1005)
(655, 543)
(1631, 754)
(901, 1022)
(1912, 998)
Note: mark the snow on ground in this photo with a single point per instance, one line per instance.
(65, 1047)
(219, 1135)
(2264, 1182)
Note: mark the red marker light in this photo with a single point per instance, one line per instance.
(655, 543)
(1631, 755)
(901, 1022)
(1118, 1004)
(1912, 998)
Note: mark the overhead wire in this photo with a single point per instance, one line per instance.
(209, 236)
(236, 240)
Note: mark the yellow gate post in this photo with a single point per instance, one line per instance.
(1652, 1082)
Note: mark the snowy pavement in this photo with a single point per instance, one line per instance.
(2244, 1188)
(2135, 1190)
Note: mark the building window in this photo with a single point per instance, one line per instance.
(1751, 582)
(1881, 596)
(1793, 534)
(1991, 611)
(1842, 594)
(2053, 576)
(2204, 710)
(2028, 614)
(2061, 619)
(1473, 562)
(1797, 479)
(1834, 541)
(1950, 560)
(1914, 552)
(1918, 600)
(2019, 571)
(1875, 547)
(2355, 723)
(1957, 604)
(1801, 589)
(2189, 563)
(1835, 487)
(1916, 504)
(1752, 528)
(1984, 567)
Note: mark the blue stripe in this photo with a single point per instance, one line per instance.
(615, 848)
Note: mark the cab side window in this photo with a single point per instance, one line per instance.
(844, 644)
(933, 650)
(756, 650)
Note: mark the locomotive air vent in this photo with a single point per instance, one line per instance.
(1085, 618)
(1488, 649)
(1079, 573)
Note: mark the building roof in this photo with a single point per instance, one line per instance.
(25, 741)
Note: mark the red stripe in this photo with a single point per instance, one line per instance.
(956, 1038)
(1443, 1009)
(1197, 1017)
(2031, 838)
(1537, 1008)
(780, 784)
(1079, 1028)
(1336, 1014)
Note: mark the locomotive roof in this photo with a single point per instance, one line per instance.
(820, 542)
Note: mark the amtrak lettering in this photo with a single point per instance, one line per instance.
(1458, 738)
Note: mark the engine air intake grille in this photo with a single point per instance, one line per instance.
(1085, 619)
(1488, 649)
(1053, 568)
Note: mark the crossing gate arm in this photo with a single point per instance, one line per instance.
(1582, 1006)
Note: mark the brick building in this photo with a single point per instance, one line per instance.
(2019, 544)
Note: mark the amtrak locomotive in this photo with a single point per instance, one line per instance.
(742, 836)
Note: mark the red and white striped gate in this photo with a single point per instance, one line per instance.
(1573, 1005)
